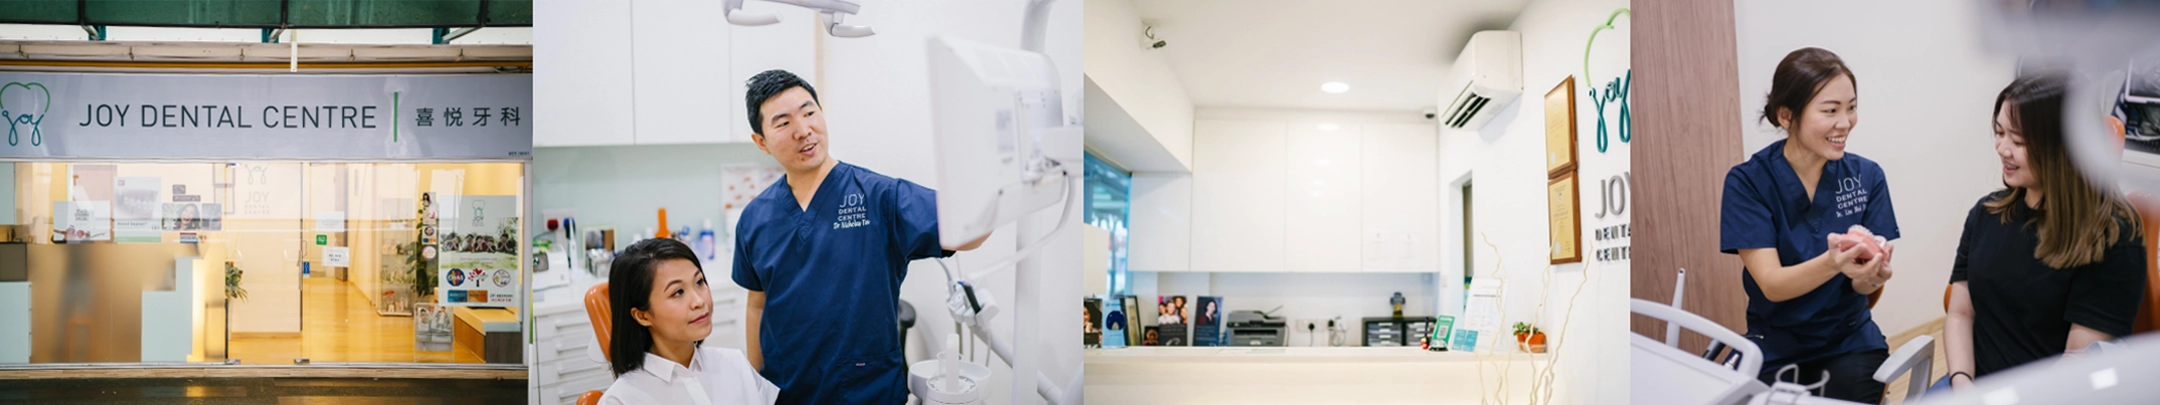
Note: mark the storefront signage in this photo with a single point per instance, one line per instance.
(266, 116)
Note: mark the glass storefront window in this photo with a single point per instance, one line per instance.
(266, 262)
(1109, 199)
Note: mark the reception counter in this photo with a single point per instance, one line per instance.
(1364, 375)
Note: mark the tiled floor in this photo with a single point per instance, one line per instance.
(264, 391)
(339, 325)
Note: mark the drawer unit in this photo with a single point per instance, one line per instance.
(569, 361)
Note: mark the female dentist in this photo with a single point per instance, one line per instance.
(1807, 303)
(2050, 264)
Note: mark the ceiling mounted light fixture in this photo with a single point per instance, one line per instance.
(1335, 87)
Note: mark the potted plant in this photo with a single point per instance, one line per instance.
(1529, 338)
(420, 254)
(232, 282)
(1537, 340)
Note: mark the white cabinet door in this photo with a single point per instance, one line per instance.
(583, 87)
(790, 45)
(1238, 196)
(1402, 198)
(1159, 234)
(1322, 183)
(681, 54)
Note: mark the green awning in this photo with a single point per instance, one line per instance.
(313, 14)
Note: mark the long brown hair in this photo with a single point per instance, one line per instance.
(2079, 218)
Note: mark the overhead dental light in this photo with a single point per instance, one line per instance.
(1335, 87)
(832, 9)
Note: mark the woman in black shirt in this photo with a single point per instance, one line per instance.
(2050, 264)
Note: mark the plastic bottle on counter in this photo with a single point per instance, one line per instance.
(706, 242)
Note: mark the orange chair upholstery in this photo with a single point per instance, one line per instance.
(2148, 207)
(596, 308)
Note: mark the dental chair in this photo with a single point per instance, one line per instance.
(2122, 375)
(596, 308)
(1664, 374)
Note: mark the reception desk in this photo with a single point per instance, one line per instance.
(1364, 375)
(123, 302)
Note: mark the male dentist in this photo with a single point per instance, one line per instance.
(823, 252)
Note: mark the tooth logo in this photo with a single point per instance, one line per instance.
(24, 109)
(1615, 92)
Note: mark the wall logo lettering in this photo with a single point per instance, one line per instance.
(24, 105)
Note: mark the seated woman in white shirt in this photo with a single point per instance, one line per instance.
(662, 313)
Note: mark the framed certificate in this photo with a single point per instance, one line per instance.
(1565, 218)
(1560, 128)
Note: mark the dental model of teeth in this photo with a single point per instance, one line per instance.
(1871, 245)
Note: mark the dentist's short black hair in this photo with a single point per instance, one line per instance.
(764, 86)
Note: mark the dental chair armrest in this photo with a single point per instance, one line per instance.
(1915, 358)
(1916, 355)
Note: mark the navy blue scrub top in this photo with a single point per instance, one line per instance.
(831, 276)
(1766, 206)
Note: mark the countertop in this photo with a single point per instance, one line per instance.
(1161, 354)
(1365, 375)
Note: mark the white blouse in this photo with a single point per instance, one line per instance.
(716, 376)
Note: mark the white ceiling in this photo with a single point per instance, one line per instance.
(1276, 53)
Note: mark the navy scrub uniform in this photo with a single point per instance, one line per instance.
(831, 277)
(1766, 206)
(2023, 309)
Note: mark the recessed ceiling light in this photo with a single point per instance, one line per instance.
(1335, 87)
(1329, 127)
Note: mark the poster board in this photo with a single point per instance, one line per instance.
(1564, 216)
(478, 249)
(136, 209)
(1560, 128)
(1207, 325)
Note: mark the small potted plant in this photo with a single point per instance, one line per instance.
(1529, 338)
(232, 282)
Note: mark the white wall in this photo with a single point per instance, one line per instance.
(1138, 109)
(1925, 117)
(878, 115)
(1304, 297)
(1504, 161)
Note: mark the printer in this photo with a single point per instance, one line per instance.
(1255, 328)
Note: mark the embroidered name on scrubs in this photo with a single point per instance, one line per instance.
(852, 213)
(1851, 197)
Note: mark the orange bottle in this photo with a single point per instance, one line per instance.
(663, 233)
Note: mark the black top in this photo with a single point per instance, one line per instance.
(2023, 309)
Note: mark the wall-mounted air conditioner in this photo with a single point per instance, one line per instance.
(1487, 76)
